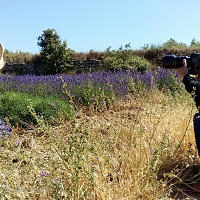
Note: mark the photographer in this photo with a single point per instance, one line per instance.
(192, 86)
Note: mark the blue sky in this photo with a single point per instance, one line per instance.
(98, 24)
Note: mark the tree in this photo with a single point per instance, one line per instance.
(54, 53)
(171, 43)
(194, 43)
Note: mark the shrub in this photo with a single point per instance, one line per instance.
(17, 57)
(16, 107)
(123, 59)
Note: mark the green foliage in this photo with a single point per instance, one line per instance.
(152, 46)
(171, 84)
(17, 57)
(54, 53)
(171, 43)
(96, 98)
(123, 58)
(194, 43)
(16, 107)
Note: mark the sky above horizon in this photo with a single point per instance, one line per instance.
(97, 24)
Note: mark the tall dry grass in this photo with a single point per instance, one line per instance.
(138, 149)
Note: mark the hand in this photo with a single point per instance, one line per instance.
(182, 71)
(197, 78)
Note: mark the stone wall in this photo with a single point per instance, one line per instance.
(21, 68)
(78, 66)
(85, 65)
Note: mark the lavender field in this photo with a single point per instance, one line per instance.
(116, 83)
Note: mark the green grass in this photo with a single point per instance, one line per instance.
(23, 109)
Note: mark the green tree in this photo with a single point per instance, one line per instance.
(171, 43)
(54, 53)
(194, 43)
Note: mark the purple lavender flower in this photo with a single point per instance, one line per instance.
(5, 130)
(17, 143)
(43, 173)
(116, 82)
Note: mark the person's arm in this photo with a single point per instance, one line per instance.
(191, 85)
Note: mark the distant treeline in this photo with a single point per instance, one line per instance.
(122, 58)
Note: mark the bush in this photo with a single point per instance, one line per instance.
(20, 108)
(17, 57)
(123, 59)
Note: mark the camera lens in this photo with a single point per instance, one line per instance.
(169, 61)
(172, 61)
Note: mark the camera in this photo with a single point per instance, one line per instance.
(171, 61)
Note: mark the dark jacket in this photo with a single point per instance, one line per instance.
(193, 87)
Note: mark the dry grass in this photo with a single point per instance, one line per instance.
(132, 151)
